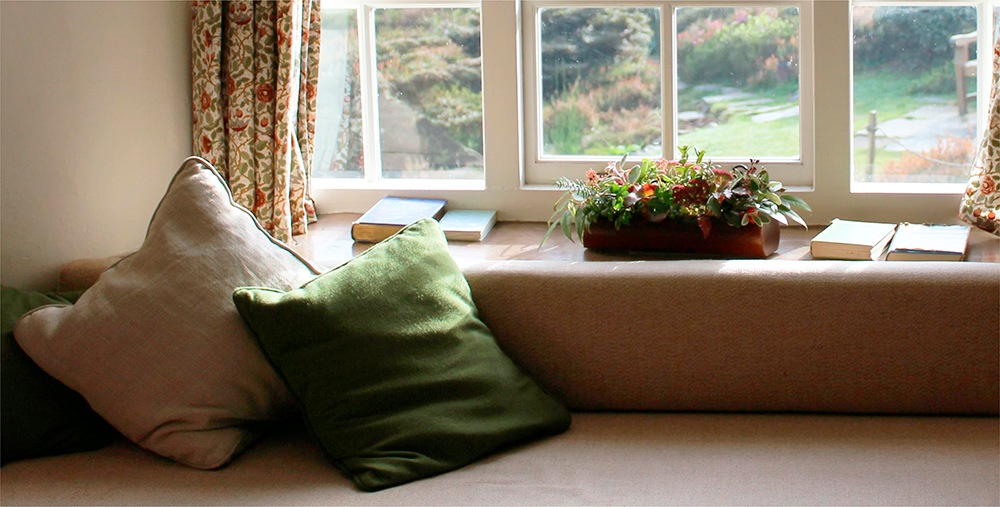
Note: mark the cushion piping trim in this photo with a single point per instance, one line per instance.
(206, 165)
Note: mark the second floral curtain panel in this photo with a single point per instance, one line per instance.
(255, 67)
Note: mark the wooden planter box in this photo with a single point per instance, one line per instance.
(751, 241)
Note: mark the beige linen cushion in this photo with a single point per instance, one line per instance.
(157, 347)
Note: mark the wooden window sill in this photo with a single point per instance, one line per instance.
(329, 243)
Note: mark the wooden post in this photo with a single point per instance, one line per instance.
(872, 127)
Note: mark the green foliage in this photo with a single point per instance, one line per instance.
(910, 39)
(938, 80)
(691, 188)
(460, 111)
(430, 59)
(629, 92)
(580, 43)
(567, 119)
(761, 49)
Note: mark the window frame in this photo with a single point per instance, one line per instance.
(986, 28)
(505, 189)
(539, 168)
(370, 124)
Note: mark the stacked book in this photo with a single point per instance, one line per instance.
(391, 214)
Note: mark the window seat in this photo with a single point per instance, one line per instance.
(725, 382)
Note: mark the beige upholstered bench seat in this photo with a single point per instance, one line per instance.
(692, 382)
(604, 459)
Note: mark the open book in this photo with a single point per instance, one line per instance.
(921, 242)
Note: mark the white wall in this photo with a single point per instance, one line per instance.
(95, 117)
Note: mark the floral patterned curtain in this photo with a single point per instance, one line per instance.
(255, 66)
(981, 203)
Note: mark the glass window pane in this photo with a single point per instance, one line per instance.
(914, 102)
(430, 105)
(338, 103)
(738, 80)
(601, 81)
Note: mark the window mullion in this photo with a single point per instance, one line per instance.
(369, 94)
(668, 79)
(984, 62)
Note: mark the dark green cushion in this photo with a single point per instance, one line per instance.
(396, 375)
(38, 415)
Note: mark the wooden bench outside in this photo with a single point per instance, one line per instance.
(964, 68)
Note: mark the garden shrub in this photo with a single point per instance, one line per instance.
(627, 94)
(617, 134)
(436, 73)
(460, 111)
(939, 80)
(567, 119)
(909, 39)
(913, 168)
(744, 48)
(582, 44)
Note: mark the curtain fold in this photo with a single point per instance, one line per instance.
(981, 203)
(255, 66)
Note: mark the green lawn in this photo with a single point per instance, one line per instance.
(884, 91)
(743, 137)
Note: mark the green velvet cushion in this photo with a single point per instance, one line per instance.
(396, 375)
(38, 415)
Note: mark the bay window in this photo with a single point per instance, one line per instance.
(486, 103)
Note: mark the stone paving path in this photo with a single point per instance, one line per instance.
(759, 109)
(921, 129)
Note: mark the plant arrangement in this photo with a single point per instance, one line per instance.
(690, 189)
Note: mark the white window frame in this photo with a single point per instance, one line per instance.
(984, 39)
(505, 190)
(540, 169)
(370, 126)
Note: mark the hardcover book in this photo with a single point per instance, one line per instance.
(391, 214)
(851, 240)
(920, 242)
(468, 224)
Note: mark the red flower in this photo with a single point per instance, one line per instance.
(206, 144)
(259, 199)
(310, 91)
(230, 85)
(663, 164)
(263, 122)
(265, 93)
(986, 185)
(976, 212)
(991, 216)
(722, 175)
(206, 101)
